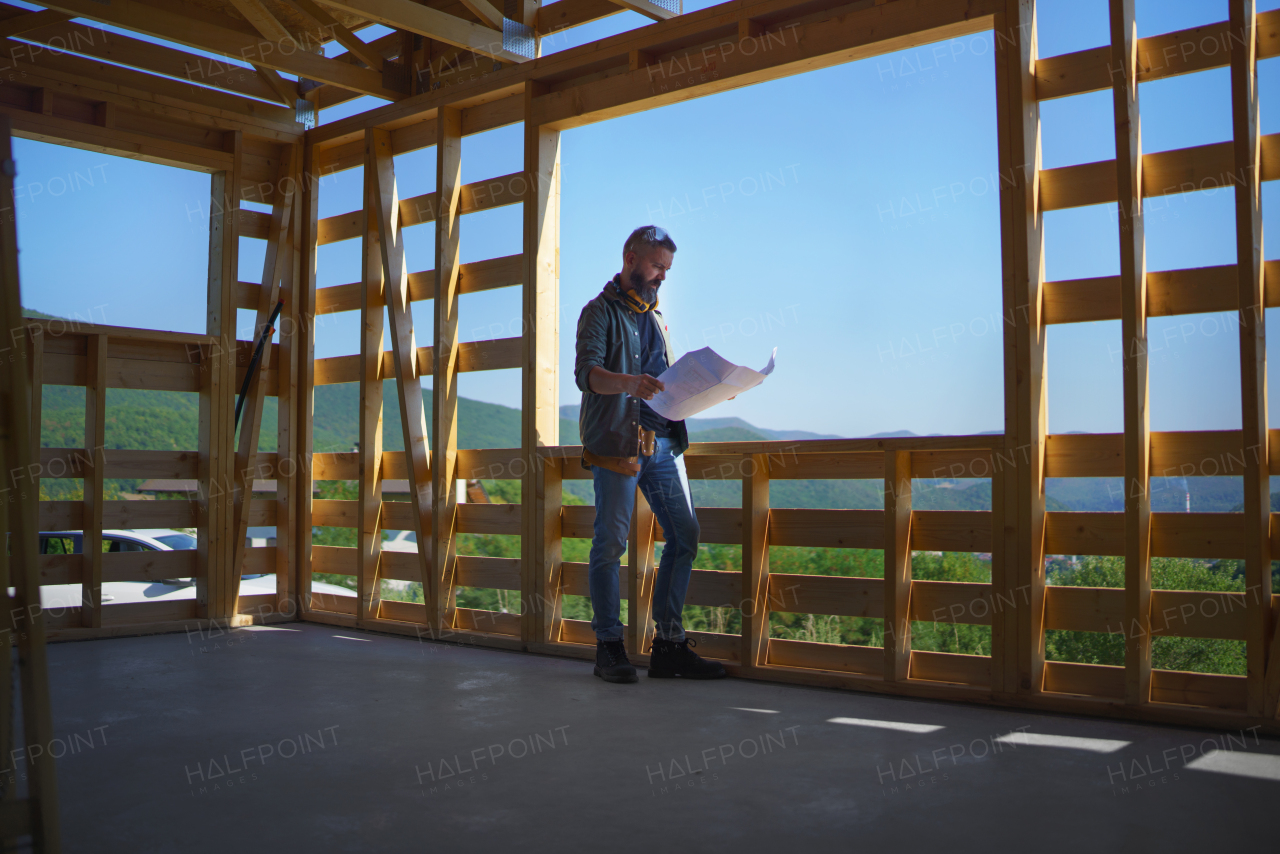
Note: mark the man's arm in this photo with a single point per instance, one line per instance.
(642, 386)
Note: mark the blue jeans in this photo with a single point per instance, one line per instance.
(664, 484)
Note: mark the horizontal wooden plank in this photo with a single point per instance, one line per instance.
(826, 594)
(1083, 533)
(334, 559)
(1199, 614)
(61, 569)
(148, 566)
(950, 667)
(259, 560)
(834, 529)
(1195, 290)
(489, 519)
(852, 466)
(1165, 55)
(492, 622)
(1084, 455)
(951, 464)
(826, 656)
(491, 463)
(1084, 609)
(399, 566)
(577, 521)
(1167, 686)
(721, 647)
(951, 530)
(337, 369)
(1201, 535)
(333, 601)
(951, 602)
(333, 513)
(399, 516)
(715, 589)
(340, 466)
(501, 573)
(1201, 453)
(574, 579)
(70, 462)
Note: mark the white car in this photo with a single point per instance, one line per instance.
(145, 540)
(403, 541)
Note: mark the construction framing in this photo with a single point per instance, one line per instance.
(256, 152)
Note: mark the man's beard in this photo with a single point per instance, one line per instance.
(645, 289)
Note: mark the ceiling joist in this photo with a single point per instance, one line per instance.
(228, 40)
(366, 53)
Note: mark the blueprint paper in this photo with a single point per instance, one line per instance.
(701, 379)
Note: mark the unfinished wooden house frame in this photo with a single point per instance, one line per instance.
(258, 152)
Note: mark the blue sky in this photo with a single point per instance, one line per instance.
(847, 217)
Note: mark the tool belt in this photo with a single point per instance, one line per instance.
(629, 466)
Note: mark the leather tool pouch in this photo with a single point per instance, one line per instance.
(647, 441)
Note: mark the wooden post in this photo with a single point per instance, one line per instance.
(897, 566)
(405, 357)
(444, 412)
(1133, 340)
(288, 401)
(543, 602)
(1253, 351)
(540, 412)
(372, 306)
(1018, 561)
(218, 393)
(35, 340)
(755, 603)
(277, 267)
(19, 524)
(95, 405)
(298, 586)
(640, 576)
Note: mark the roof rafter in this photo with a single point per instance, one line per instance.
(229, 40)
(28, 21)
(432, 23)
(364, 52)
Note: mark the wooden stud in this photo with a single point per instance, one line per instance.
(42, 101)
(444, 411)
(277, 267)
(19, 525)
(1133, 340)
(95, 405)
(1242, 36)
(35, 343)
(897, 565)
(543, 599)
(372, 308)
(754, 600)
(288, 401)
(1018, 558)
(405, 357)
(217, 393)
(639, 631)
(298, 585)
(540, 384)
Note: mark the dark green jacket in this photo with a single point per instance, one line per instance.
(609, 337)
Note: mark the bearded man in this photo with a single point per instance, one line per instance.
(622, 348)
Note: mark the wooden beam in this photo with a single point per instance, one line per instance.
(264, 21)
(373, 303)
(28, 21)
(1018, 636)
(366, 53)
(38, 811)
(408, 378)
(217, 393)
(540, 344)
(95, 420)
(1247, 158)
(649, 9)
(754, 592)
(289, 400)
(277, 267)
(299, 585)
(286, 92)
(640, 572)
(1133, 340)
(432, 23)
(444, 410)
(223, 38)
(897, 565)
(485, 12)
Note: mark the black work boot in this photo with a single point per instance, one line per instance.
(668, 659)
(611, 662)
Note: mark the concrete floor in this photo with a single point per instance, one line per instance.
(314, 739)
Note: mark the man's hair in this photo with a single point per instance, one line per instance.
(648, 237)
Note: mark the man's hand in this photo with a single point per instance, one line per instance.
(642, 386)
(645, 387)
